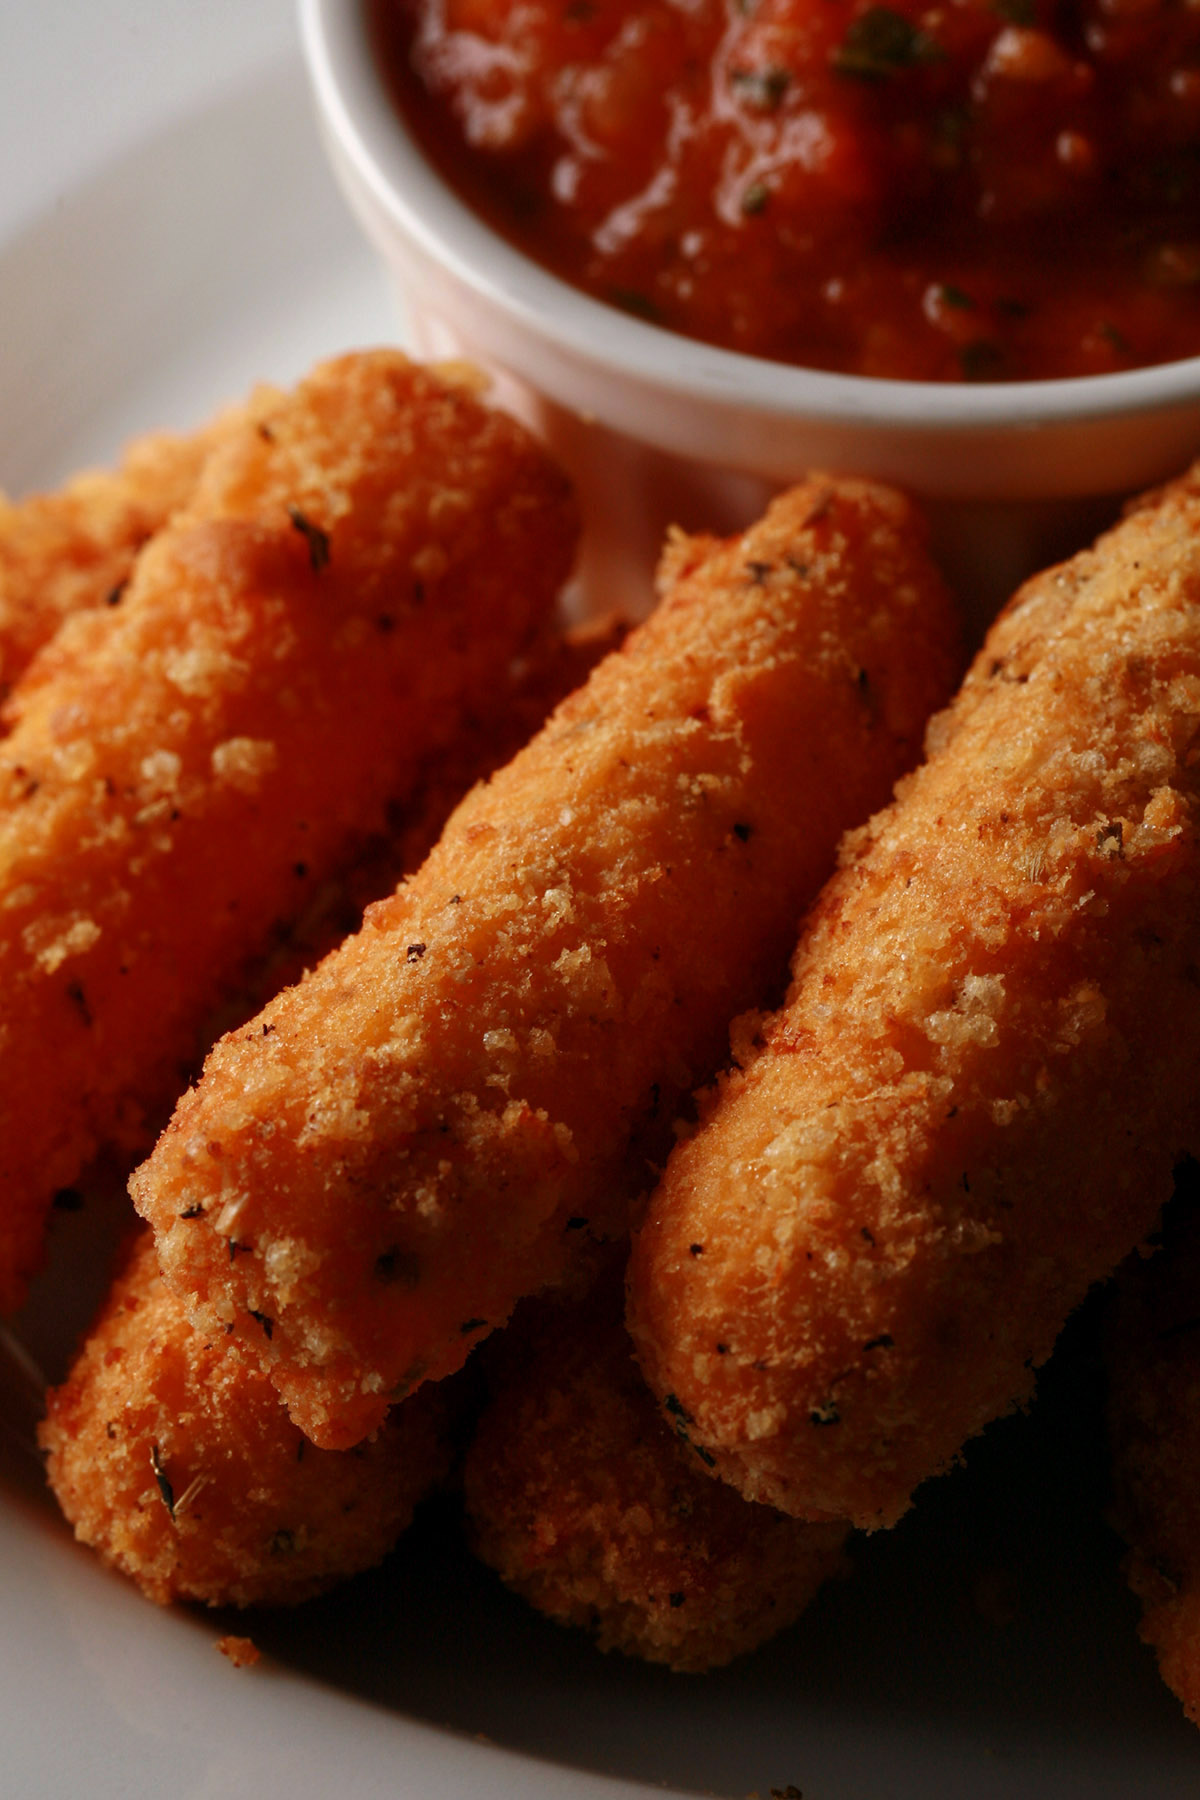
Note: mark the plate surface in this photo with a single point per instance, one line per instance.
(986, 1648)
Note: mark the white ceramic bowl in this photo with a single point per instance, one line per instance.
(658, 429)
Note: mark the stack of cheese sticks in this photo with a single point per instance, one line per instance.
(316, 639)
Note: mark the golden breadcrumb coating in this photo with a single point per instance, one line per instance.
(172, 1456)
(240, 1427)
(588, 1505)
(184, 768)
(1153, 1358)
(525, 696)
(969, 1108)
(74, 549)
(561, 661)
(395, 1151)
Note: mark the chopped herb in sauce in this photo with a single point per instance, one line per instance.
(840, 160)
(633, 300)
(761, 88)
(881, 42)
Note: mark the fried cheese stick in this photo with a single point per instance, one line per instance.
(274, 1520)
(398, 1149)
(970, 1106)
(585, 1502)
(174, 1459)
(74, 549)
(184, 768)
(1153, 1358)
(556, 664)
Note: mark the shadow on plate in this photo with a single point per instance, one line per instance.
(991, 1627)
(987, 1644)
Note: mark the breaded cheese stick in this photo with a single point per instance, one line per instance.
(585, 1502)
(395, 1151)
(173, 1457)
(74, 549)
(1153, 1359)
(558, 663)
(274, 1520)
(970, 1106)
(184, 768)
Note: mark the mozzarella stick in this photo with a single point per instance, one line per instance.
(395, 1151)
(558, 663)
(74, 549)
(173, 1458)
(184, 768)
(585, 1502)
(969, 1108)
(1153, 1357)
(261, 1517)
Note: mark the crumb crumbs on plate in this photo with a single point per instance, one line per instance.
(242, 1652)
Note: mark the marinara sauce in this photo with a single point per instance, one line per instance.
(976, 190)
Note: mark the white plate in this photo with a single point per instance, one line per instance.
(217, 254)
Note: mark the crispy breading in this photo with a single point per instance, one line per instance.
(970, 1106)
(278, 1520)
(174, 1459)
(395, 1151)
(523, 698)
(1153, 1358)
(184, 768)
(587, 1504)
(74, 549)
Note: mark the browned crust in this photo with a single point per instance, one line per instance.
(587, 1504)
(970, 1108)
(456, 1086)
(173, 1458)
(184, 769)
(74, 549)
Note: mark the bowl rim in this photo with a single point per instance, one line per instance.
(368, 130)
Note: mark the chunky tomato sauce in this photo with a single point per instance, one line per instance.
(972, 190)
